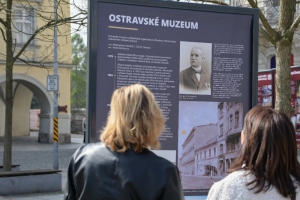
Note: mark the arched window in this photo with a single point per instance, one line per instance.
(273, 61)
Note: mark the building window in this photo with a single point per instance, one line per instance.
(210, 153)
(215, 151)
(204, 154)
(201, 155)
(221, 110)
(230, 121)
(221, 130)
(273, 61)
(275, 3)
(221, 148)
(236, 119)
(235, 3)
(228, 147)
(234, 144)
(23, 24)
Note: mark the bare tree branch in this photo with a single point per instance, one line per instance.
(3, 22)
(3, 34)
(266, 35)
(210, 1)
(215, 2)
(271, 32)
(32, 63)
(295, 25)
(264, 21)
(14, 46)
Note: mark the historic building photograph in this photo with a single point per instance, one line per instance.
(208, 149)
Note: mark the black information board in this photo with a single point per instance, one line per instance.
(162, 45)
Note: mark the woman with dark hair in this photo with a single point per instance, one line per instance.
(122, 167)
(267, 167)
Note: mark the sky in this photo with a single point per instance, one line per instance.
(194, 113)
(82, 4)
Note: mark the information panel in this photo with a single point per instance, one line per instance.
(265, 89)
(200, 62)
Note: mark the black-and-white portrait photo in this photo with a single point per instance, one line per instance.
(208, 141)
(195, 68)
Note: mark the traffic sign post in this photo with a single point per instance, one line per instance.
(52, 83)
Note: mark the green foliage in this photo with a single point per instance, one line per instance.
(78, 74)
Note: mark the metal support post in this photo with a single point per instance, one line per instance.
(55, 111)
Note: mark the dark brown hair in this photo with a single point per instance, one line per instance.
(269, 152)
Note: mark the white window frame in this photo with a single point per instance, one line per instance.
(24, 25)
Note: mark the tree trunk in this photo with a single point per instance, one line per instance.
(283, 47)
(7, 156)
(283, 76)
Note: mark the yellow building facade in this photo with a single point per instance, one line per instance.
(28, 16)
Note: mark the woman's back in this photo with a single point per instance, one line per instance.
(268, 154)
(122, 167)
(100, 173)
(233, 187)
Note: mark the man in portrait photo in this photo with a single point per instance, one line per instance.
(196, 78)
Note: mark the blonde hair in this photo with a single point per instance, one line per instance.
(134, 121)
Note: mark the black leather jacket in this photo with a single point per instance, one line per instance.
(96, 172)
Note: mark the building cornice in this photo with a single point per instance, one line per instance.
(38, 2)
(207, 145)
(47, 65)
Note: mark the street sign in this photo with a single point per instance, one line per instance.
(52, 83)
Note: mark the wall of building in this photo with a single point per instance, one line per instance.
(41, 50)
(21, 111)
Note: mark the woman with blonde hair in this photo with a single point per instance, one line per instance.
(122, 167)
(267, 167)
